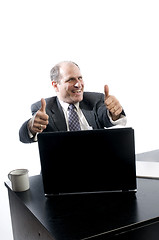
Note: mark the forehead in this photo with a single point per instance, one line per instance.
(68, 70)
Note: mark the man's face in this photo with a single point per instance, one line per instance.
(71, 86)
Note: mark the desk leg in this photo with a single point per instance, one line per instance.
(24, 224)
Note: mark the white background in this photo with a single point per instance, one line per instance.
(114, 42)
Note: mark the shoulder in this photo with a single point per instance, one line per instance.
(92, 99)
(93, 96)
(49, 101)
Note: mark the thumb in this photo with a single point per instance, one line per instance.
(43, 105)
(106, 91)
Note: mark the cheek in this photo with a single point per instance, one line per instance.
(65, 90)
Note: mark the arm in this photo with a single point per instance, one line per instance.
(110, 112)
(23, 133)
(35, 125)
(112, 104)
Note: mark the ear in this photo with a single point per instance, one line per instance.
(55, 86)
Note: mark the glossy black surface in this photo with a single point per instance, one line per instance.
(92, 215)
(88, 161)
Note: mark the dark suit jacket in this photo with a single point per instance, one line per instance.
(92, 106)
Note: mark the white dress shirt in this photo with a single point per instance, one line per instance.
(83, 122)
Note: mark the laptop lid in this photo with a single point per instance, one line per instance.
(88, 161)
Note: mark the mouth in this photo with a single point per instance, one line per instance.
(77, 91)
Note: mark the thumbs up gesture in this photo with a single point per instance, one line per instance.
(112, 104)
(40, 120)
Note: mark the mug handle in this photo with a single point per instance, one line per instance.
(9, 176)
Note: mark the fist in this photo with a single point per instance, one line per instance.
(112, 104)
(40, 120)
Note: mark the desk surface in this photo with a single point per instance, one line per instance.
(152, 156)
(84, 216)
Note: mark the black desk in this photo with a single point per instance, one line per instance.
(95, 216)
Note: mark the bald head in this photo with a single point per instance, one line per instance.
(55, 73)
(67, 82)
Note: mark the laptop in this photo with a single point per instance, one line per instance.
(90, 161)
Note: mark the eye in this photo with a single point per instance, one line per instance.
(70, 80)
(80, 78)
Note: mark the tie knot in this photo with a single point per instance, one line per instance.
(71, 107)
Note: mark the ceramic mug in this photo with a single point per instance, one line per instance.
(19, 179)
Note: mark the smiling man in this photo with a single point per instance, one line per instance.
(90, 110)
(68, 82)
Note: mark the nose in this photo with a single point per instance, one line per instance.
(77, 84)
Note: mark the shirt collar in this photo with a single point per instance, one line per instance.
(65, 105)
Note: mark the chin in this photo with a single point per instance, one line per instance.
(78, 99)
(73, 98)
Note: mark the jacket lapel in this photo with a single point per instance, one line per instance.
(89, 114)
(57, 118)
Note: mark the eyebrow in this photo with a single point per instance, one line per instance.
(73, 78)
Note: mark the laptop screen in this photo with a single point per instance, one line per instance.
(88, 161)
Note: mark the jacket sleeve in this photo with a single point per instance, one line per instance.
(102, 113)
(23, 132)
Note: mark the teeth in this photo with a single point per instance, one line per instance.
(78, 91)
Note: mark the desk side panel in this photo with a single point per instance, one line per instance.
(24, 224)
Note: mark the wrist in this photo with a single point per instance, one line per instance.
(114, 117)
(30, 124)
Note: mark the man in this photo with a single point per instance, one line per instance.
(93, 110)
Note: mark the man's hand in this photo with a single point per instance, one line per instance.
(112, 104)
(40, 120)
